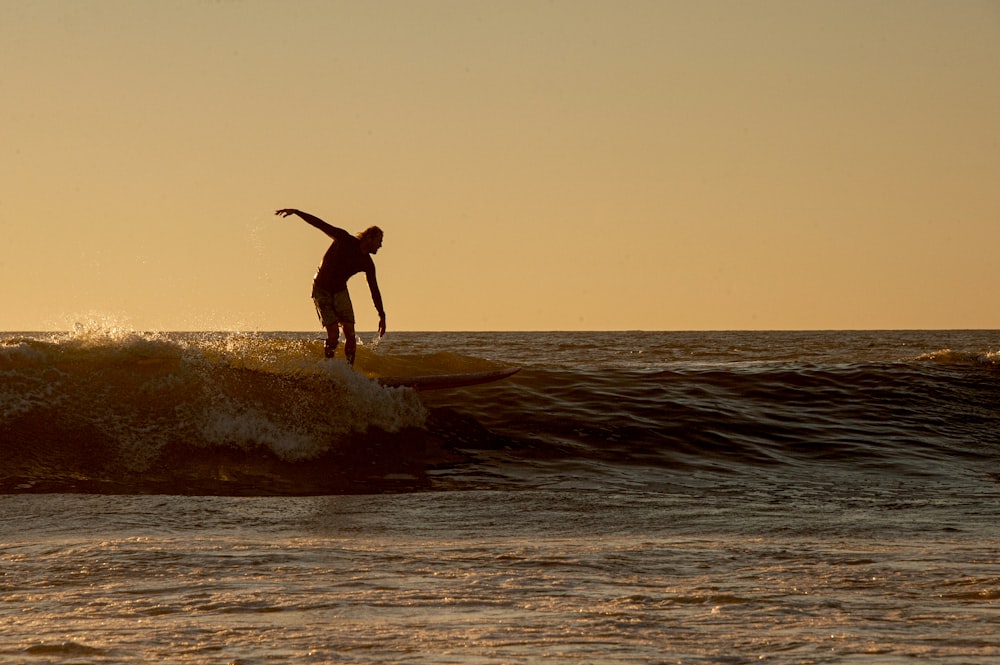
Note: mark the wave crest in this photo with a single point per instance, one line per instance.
(135, 393)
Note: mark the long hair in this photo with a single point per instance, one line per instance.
(370, 231)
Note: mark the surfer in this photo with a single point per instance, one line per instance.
(347, 256)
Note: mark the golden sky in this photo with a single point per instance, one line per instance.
(536, 165)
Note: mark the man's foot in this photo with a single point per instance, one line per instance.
(329, 349)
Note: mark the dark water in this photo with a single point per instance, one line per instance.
(108, 411)
(627, 497)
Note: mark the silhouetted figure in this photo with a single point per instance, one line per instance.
(347, 256)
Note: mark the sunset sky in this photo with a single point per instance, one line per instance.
(598, 165)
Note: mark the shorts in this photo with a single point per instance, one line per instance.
(333, 309)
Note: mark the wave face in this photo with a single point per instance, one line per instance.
(219, 413)
(121, 411)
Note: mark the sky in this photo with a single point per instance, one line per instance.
(535, 165)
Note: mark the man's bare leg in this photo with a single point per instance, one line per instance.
(332, 338)
(350, 342)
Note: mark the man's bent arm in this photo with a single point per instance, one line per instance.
(377, 299)
(376, 294)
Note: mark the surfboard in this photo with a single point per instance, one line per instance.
(443, 381)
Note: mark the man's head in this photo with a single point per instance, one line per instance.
(371, 239)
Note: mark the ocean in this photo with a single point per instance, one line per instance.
(627, 497)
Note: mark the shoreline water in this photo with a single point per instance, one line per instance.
(564, 575)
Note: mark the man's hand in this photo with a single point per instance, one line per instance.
(381, 325)
(285, 212)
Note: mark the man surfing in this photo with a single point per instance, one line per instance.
(347, 256)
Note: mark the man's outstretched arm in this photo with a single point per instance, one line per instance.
(312, 220)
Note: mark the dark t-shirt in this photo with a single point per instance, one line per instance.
(344, 259)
